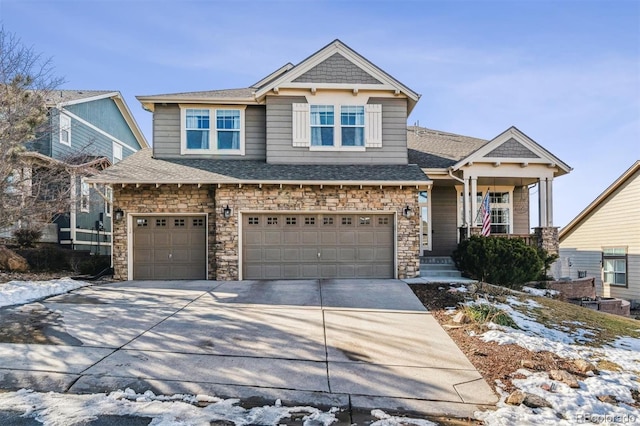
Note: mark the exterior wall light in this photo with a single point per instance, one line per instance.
(118, 215)
(407, 212)
(226, 212)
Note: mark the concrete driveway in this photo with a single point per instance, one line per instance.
(345, 343)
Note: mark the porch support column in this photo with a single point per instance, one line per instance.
(542, 203)
(465, 204)
(549, 202)
(474, 200)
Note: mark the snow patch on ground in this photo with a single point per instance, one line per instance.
(541, 292)
(18, 292)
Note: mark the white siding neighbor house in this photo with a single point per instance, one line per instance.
(603, 241)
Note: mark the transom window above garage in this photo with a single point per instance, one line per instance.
(213, 130)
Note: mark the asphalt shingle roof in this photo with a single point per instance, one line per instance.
(243, 93)
(141, 167)
(59, 96)
(434, 149)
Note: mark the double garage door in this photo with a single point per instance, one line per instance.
(169, 247)
(274, 246)
(292, 245)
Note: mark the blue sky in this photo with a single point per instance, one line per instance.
(566, 73)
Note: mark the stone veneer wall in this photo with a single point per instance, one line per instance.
(310, 199)
(548, 238)
(164, 199)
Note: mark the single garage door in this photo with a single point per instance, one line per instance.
(169, 247)
(317, 246)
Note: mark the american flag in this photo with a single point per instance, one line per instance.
(485, 209)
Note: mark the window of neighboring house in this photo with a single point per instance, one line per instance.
(117, 152)
(65, 129)
(614, 266)
(213, 131)
(85, 194)
(108, 193)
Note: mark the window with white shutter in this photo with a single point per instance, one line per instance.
(301, 125)
(337, 127)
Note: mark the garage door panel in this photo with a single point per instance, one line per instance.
(309, 254)
(272, 237)
(350, 246)
(328, 254)
(347, 254)
(328, 238)
(309, 237)
(170, 247)
(366, 237)
(253, 255)
(291, 237)
(290, 255)
(252, 237)
(272, 254)
(347, 237)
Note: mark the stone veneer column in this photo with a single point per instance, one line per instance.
(315, 199)
(548, 238)
(168, 199)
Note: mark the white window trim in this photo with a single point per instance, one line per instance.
(65, 125)
(117, 148)
(108, 203)
(85, 195)
(509, 189)
(213, 133)
(301, 124)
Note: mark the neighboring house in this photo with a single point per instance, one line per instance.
(87, 131)
(311, 173)
(603, 241)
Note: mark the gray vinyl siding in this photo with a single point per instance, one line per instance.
(166, 131)
(444, 220)
(521, 210)
(615, 222)
(280, 148)
(571, 261)
(166, 134)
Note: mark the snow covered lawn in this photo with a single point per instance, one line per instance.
(19, 292)
(608, 396)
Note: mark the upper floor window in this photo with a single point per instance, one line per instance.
(65, 129)
(614, 266)
(117, 152)
(216, 130)
(347, 127)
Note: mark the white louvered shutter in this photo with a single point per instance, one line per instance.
(373, 126)
(300, 125)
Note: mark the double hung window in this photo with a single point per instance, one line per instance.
(614, 266)
(327, 131)
(213, 131)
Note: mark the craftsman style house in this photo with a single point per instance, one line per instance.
(312, 173)
(603, 241)
(87, 132)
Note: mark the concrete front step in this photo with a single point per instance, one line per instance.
(431, 273)
(436, 260)
(438, 266)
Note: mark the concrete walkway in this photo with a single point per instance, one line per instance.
(345, 343)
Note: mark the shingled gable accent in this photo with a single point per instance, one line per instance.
(512, 148)
(337, 69)
(484, 153)
(384, 80)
